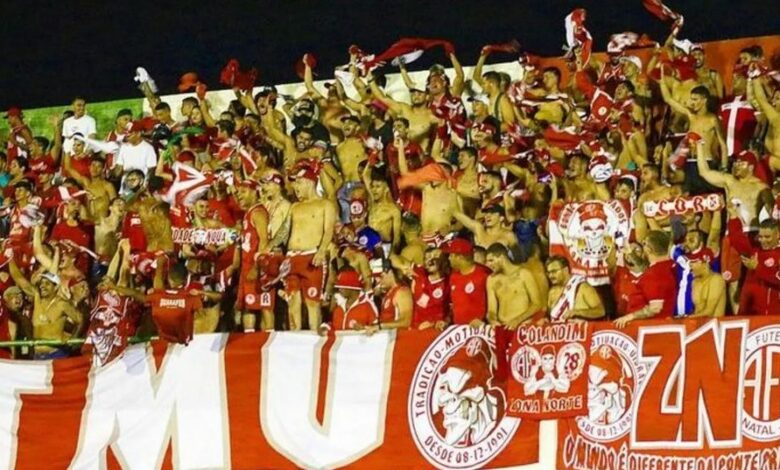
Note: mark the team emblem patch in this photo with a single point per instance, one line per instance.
(457, 414)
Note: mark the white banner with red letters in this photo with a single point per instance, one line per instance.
(683, 205)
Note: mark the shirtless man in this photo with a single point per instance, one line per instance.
(700, 120)
(771, 110)
(53, 316)
(439, 201)
(513, 296)
(651, 190)
(707, 77)
(466, 180)
(313, 222)
(570, 297)
(414, 246)
(107, 230)
(420, 117)
(500, 106)
(384, 216)
(278, 207)
(351, 151)
(579, 186)
(100, 190)
(708, 291)
(492, 230)
(294, 149)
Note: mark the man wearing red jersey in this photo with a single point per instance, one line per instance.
(658, 284)
(355, 308)
(397, 302)
(20, 136)
(468, 284)
(429, 289)
(251, 298)
(173, 308)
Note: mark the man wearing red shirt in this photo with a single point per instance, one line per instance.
(761, 290)
(430, 292)
(468, 284)
(355, 309)
(174, 308)
(658, 284)
(397, 302)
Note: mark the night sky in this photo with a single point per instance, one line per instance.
(52, 51)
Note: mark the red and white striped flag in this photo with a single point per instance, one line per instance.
(664, 13)
(577, 35)
(188, 186)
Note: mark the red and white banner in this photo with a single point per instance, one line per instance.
(279, 400)
(549, 366)
(693, 394)
(685, 395)
(684, 205)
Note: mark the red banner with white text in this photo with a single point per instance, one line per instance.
(685, 395)
(280, 400)
(549, 367)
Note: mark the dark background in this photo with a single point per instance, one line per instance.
(52, 51)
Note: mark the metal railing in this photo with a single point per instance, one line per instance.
(68, 342)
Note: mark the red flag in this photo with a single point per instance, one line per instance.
(112, 321)
(577, 35)
(407, 46)
(511, 47)
(566, 138)
(189, 185)
(430, 173)
(232, 76)
(622, 41)
(664, 13)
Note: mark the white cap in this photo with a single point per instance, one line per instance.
(481, 97)
(633, 59)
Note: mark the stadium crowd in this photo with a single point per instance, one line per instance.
(632, 191)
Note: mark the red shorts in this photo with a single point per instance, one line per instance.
(304, 276)
(258, 294)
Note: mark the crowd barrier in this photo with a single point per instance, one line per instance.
(693, 394)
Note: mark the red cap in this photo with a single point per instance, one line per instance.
(548, 349)
(349, 279)
(305, 172)
(704, 254)
(185, 156)
(14, 111)
(458, 246)
(748, 157)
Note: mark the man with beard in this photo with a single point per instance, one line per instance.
(651, 189)
(761, 288)
(53, 316)
(513, 295)
(296, 147)
(579, 185)
(419, 116)
(707, 77)
(657, 284)
(570, 297)
(313, 222)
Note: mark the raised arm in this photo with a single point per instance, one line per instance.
(207, 117)
(456, 89)
(666, 93)
(45, 260)
(476, 75)
(715, 178)
(19, 279)
(395, 107)
(772, 115)
(405, 76)
(308, 81)
(472, 225)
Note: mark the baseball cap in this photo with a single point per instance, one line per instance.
(746, 156)
(348, 279)
(458, 246)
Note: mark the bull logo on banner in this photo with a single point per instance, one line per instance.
(588, 233)
(457, 411)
